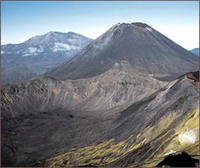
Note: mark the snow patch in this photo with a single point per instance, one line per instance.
(151, 75)
(188, 137)
(2, 52)
(148, 28)
(170, 152)
(64, 47)
(73, 41)
(32, 50)
(40, 49)
(27, 54)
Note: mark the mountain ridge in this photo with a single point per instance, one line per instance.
(39, 54)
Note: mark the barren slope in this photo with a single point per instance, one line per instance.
(57, 113)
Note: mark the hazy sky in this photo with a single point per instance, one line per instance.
(178, 20)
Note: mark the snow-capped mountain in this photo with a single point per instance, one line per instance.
(39, 53)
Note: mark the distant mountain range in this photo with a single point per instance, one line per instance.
(195, 51)
(39, 54)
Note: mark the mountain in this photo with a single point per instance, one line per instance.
(115, 114)
(195, 51)
(147, 50)
(39, 54)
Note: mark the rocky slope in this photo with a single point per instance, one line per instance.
(39, 54)
(84, 122)
(55, 112)
(110, 134)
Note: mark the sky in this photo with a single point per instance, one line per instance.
(21, 20)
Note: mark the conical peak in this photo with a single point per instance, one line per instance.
(138, 24)
(139, 44)
(122, 31)
(122, 25)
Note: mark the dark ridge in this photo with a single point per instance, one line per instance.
(179, 160)
(193, 75)
(196, 74)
